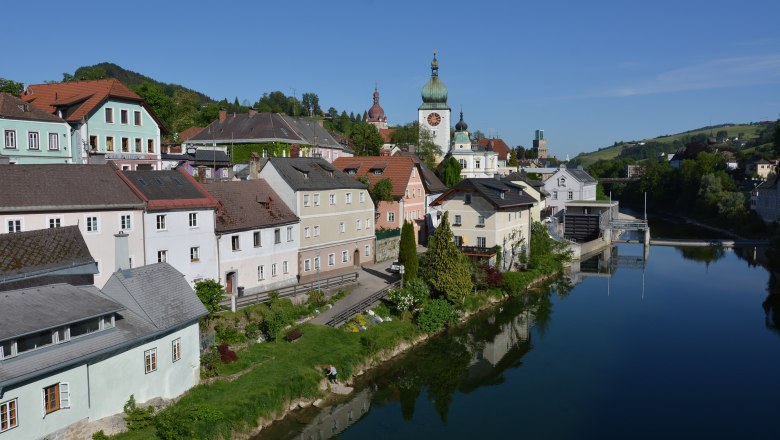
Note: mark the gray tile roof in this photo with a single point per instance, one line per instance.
(12, 107)
(163, 185)
(305, 173)
(249, 204)
(581, 175)
(491, 190)
(43, 250)
(158, 293)
(31, 310)
(63, 187)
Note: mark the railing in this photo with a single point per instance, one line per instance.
(478, 250)
(297, 289)
(628, 225)
(344, 316)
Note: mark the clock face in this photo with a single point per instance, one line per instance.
(434, 119)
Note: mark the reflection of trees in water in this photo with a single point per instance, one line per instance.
(705, 255)
(772, 304)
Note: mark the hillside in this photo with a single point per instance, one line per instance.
(671, 142)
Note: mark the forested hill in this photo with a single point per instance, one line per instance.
(130, 79)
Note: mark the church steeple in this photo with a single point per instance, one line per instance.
(434, 65)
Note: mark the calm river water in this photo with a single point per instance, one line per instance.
(680, 349)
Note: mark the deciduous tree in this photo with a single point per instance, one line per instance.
(450, 172)
(366, 140)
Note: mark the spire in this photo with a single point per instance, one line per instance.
(461, 125)
(376, 95)
(434, 65)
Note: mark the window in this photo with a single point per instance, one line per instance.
(14, 225)
(462, 163)
(109, 143)
(406, 194)
(161, 222)
(342, 228)
(123, 116)
(10, 139)
(317, 262)
(348, 198)
(176, 349)
(317, 231)
(555, 195)
(125, 145)
(93, 143)
(234, 243)
(195, 253)
(478, 164)
(362, 197)
(458, 240)
(162, 256)
(138, 145)
(344, 256)
(137, 117)
(368, 223)
(457, 220)
(316, 200)
(260, 273)
(306, 265)
(306, 232)
(391, 217)
(54, 142)
(368, 250)
(56, 397)
(331, 259)
(481, 221)
(357, 224)
(277, 236)
(289, 233)
(150, 145)
(193, 219)
(256, 238)
(284, 267)
(109, 115)
(92, 224)
(55, 222)
(306, 200)
(481, 242)
(150, 360)
(273, 270)
(33, 140)
(332, 199)
(467, 198)
(124, 222)
(570, 195)
(8, 417)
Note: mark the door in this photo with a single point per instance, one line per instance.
(229, 282)
(356, 258)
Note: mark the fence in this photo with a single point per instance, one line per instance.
(297, 289)
(387, 233)
(344, 316)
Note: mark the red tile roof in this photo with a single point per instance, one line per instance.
(248, 204)
(396, 168)
(499, 146)
(188, 133)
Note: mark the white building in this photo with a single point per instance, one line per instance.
(567, 185)
(434, 113)
(476, 161)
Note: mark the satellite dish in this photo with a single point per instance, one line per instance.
(191, 150)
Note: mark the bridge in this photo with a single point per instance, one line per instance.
(619, 179)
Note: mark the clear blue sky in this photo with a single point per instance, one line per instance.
(587, 72)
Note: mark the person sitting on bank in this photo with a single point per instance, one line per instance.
(332, 374)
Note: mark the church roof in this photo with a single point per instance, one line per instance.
(376, 113)
(434, 92)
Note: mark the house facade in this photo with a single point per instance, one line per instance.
(476, 161)
(178, 222)
(258, 236)
(408, 190)
(31, 135)
(534, 188)
(765, 199)
(336, 212)
(109, 122)
(81, 361)
(485, 213)
(91, 197)
(567, 185)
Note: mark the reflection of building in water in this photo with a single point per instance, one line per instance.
(505, 349)
(512, 333)
(333, 420)
(601, 264)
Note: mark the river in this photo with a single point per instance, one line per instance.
(680, 347)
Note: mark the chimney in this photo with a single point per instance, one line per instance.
(121, 251)
(222, 115)
(254, 166)
(252, 112)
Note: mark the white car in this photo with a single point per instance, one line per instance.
(395, 267)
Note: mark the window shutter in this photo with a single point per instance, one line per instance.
(43, 403)
(64, 395)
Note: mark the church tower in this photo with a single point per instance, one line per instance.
(434, 114)
(540, 145)
(376, 114)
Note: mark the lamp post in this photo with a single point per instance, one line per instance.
(401, 271)
(318, 270)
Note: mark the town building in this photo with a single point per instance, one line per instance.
(534, 188)
(567, 185)
(486, 213)
(499, 146)
(408, 191)
(765, 199)
(92, 197)
(761, 168)
(258, 237)
(31, 135)
(109, 122)
(336, 212)
(434, 113)
(476, 161)
(178, 222)
(540, 145)
(204, 164)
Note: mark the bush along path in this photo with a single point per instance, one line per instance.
(264, 381)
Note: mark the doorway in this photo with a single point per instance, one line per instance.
(230, 281)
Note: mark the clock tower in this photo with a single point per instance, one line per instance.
(434, 114)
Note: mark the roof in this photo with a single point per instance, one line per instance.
(79, 99)
(498, 145)
(12, 107)
(168, 189)
(581, 175)
(190, 132)
(249, 204)
(64, 187)
(306, 173)
(157, 292)
(387, 134)
(42, 250)
(265, 128)
(396, 168)
(491, 190)
(538, 185)
(430, 180)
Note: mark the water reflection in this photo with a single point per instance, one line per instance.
(771, 304)
(706, 255)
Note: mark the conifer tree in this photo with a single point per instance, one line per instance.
(446, 268)
(407, 252)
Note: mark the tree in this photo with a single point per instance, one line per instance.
(478, 135)
(777, 137)
(407, 252)
(446, 269)
(513, 162)
(450, 174)
(406, 135)
(210, 293)
(366, 140)
(414, 293)
(426, 149)
(161, 104)
(311, 102)
(382, 191)
(12, 87)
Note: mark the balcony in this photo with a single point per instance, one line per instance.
(478, 251)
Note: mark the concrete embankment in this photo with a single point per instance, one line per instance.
(728, 243)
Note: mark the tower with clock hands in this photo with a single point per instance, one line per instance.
(434, 114)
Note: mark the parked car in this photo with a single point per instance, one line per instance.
(395, 267)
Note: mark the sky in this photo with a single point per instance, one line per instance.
(588, 73)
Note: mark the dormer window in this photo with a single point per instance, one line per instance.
(501, 194)
(13, 347)
(467, 198)
(377, 171)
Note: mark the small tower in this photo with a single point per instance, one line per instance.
(540, 145)
(434, 113)
(376, 114)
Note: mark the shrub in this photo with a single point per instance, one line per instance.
(136, 417)
(414, 293)
(100, 435)
(229, 334)
(209, 361)
(515, 283)
(435, 314)
(381, 310)
(178, 422)
(226, 355)
(316, 297)
(252, 330)
(210, 293)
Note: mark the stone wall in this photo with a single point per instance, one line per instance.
(387, 249)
